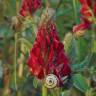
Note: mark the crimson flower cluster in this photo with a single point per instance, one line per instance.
(88, 13)
(47, 54)
(29, 7)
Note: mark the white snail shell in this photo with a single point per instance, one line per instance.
(51, 81)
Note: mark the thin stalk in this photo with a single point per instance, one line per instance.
(15, 62)
(17, 6)
(74, 9)
(44, 91)
(93, 34)
(15, 50)
(57, 91)
(22, 55)
(92, 38)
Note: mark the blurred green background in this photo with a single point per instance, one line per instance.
(15, 77)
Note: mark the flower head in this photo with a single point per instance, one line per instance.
(47, 54)
(88, 13)
(80, 29)
(29, 7)
(86, 2)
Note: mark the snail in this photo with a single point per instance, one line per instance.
(51, 81)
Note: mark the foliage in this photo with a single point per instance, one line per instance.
(15, 46)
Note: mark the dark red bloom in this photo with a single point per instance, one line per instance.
(83, 26)
(29, 6)
(86, 2)
(88, 13)
(47, 54)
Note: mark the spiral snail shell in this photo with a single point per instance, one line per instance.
(51, 81)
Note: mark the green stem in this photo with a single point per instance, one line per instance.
(74, 9)
(15, 62)
(93, 36)
(93, 39)
(57, 91)
(44, 91)
(17, 6)
(25, 42)
(15, 49)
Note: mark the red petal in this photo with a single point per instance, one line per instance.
(81, 27)
(47, 53)
(95, 9)
(29, 6)
(87, 2)
(86, 11)
(24, 7)
(51, 54)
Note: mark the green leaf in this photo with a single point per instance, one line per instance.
(80, 83)
(82, 64)
(94, 46)
(26, 42)
(35, 82)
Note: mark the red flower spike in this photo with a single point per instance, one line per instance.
(95, 8)
(29, 7)
(47, 55)
(86, 2)
(88, 8)
(83, 26)
(88, 12)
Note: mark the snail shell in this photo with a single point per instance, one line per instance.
(51, 81)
